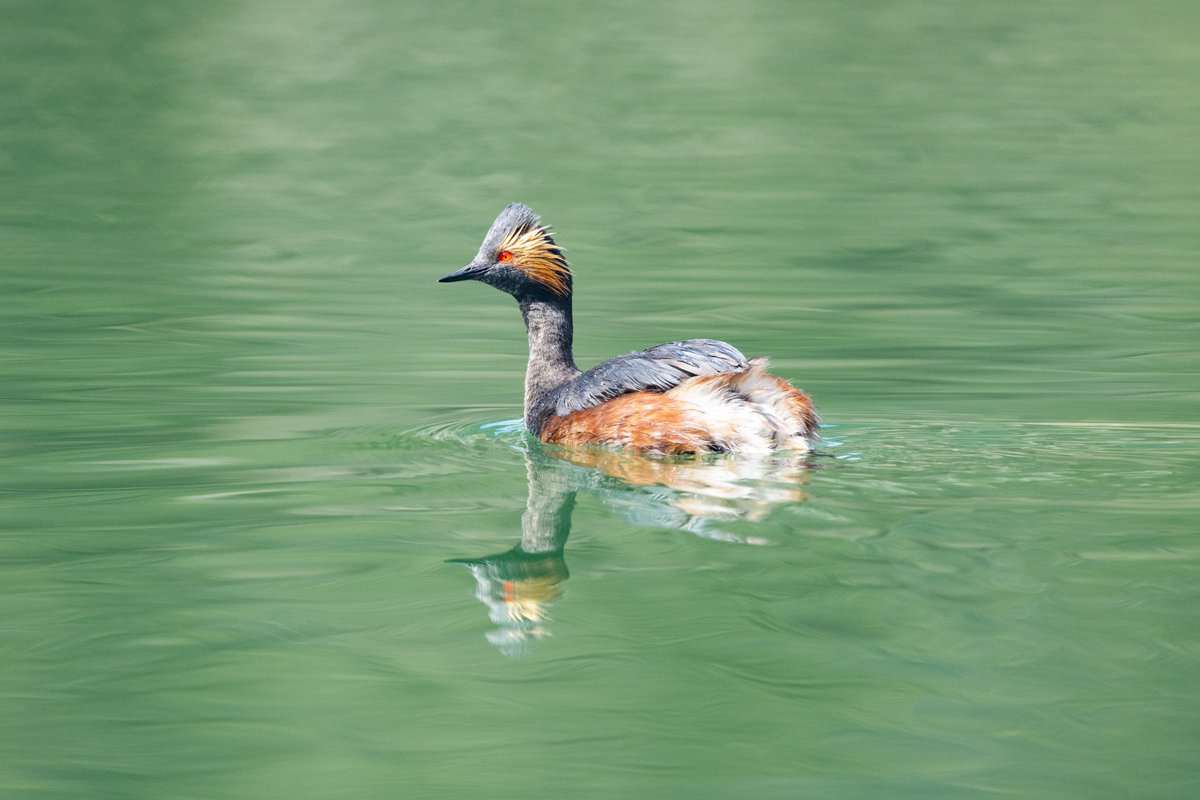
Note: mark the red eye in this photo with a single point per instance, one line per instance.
(504, 257)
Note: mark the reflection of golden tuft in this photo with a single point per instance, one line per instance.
(539, 257)
(526, 599)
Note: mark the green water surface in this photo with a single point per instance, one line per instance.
(269, 524)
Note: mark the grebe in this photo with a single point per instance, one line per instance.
(698, 396)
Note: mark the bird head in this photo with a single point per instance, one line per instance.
(518, 256)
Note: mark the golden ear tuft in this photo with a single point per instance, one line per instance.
(532, 250)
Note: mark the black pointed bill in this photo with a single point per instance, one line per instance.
(470, 272)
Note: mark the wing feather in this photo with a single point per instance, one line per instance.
(657, 369)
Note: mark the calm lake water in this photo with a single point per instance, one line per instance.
(271, 528)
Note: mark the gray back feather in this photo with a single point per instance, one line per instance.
(658, 369)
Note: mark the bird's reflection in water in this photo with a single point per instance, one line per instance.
(519, 585)
(694, 494)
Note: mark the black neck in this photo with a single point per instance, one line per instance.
(551, 364)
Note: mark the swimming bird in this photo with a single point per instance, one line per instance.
(695, 396)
